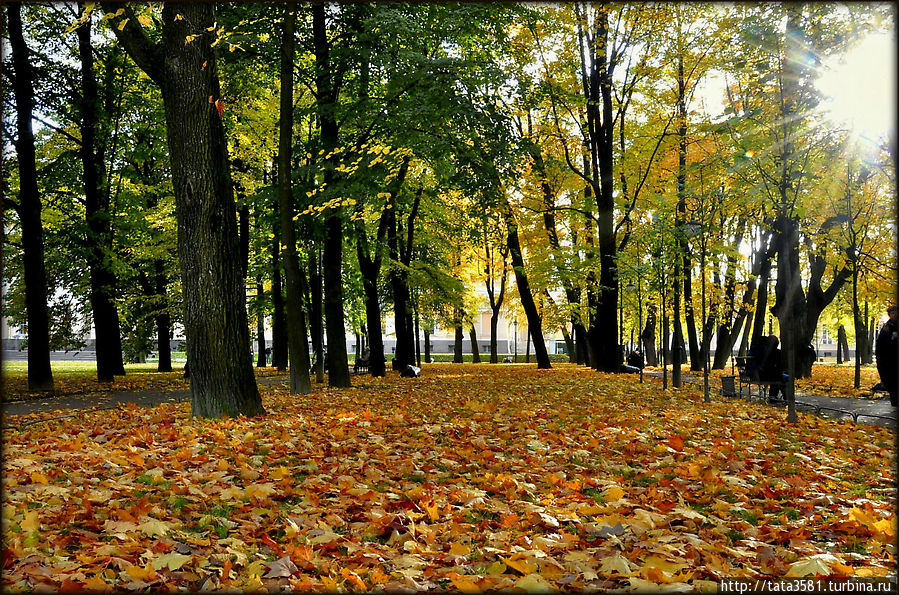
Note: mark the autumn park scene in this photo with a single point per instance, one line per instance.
(440, 296)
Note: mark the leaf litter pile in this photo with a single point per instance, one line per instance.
(469, 478)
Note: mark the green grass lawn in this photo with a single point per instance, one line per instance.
(78, 368)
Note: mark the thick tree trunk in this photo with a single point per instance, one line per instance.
(524, 289)
(370, 259)
(677, 354)
(494, 323)
(401, 253)
(859, 325)
(163, 321)
(581, 344)
(569, 345)
(40, 376)
(761, 303)
(332, 261)
(427, 346)
(693, 339)
(215, 313)
(605, 343)
(404, 350)
(648, 336)
(96, 201)
(376, 365)
(297, 335)
(842, 345)
(475, 352)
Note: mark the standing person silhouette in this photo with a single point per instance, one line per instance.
(885, 350)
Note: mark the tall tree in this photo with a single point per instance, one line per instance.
(535, 324)
(28, 207)
(298, 348)
(99, 217)
(183, 65)
(327, 91)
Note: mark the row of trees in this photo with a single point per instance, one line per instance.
(324, 164)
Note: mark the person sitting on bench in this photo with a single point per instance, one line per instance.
(363, 360)
(773, 369)
(766, 365)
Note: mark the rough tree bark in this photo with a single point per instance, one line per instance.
(297, 335)
(215, 314)
(40, 376)
(648, 336)
(327, 91)
(842, 345)
(603, 331)
(401, 254)
(475, 352)
(535, 325)
(98, 217)
(370, 259)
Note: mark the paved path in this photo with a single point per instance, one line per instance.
(874, 411)
(877, 412)
(12, 355)
(148, 398)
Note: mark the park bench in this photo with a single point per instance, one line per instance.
(729, 389)
(750, 379)
(360, 366)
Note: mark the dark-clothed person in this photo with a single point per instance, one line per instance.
(885, 350)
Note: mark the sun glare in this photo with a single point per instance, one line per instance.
(860, 87)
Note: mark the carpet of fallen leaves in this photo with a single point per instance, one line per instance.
(472, 477)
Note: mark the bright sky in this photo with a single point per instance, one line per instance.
(860, 87)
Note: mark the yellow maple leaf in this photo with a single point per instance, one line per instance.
(32, 521)
(521, 566)
(534, 583)
(279, 473)
(141, 574)
(616, 564)
(613, 493)
(171, 560)
(465, 584)
(459, 549)
(95, 583)
(154, 527)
